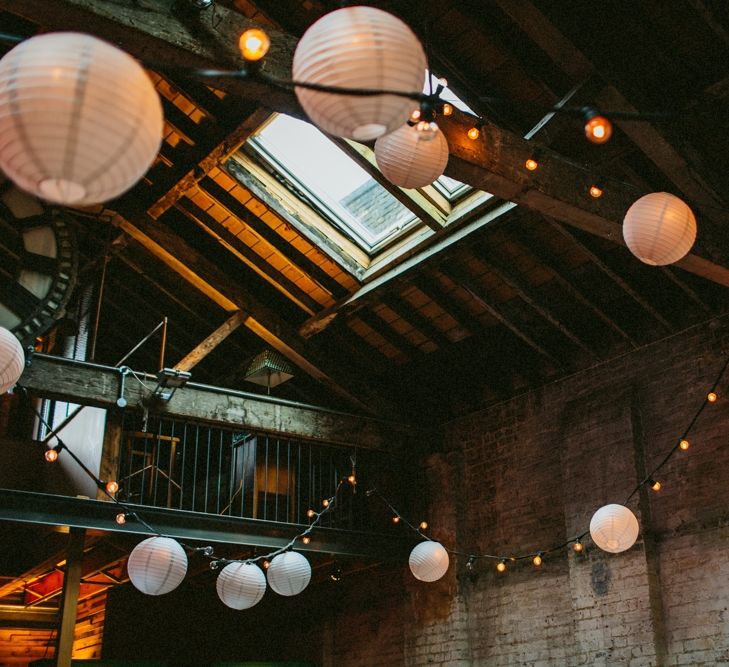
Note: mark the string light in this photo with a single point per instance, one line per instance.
(352, 480)
(396, 519)
(684, 444)
(474, 133)
(423, 525)
(578, 547)
(470, 563)
(654, 484)
(598, 129)
(501, 566)
(538, 560)
(254, 44)
(325, 502)
(112, 487)
(310, 513)
(711, 397)
(306, 539)
(122, 518)
(596, 191)
(265, 564)
(531, 164)
(447, 109)
(51, 454)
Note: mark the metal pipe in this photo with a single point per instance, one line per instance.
(97, 316)
(163, 344)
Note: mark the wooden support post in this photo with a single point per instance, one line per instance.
(211, 342)
(110, 450)
(69, 597)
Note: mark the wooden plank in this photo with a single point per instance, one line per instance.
(69, 600)
(110, 450)
(194, 357)
(93, 384)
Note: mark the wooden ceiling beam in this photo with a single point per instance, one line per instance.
(205, 276)
(416, 319)
(205, 347)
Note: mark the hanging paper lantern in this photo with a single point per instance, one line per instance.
(80, 121)
(12, 360)
(614, 528)
(241, 585)
(428, 561)
(359, 47)
(157, 565)
(659, 228)
(289, 573)
(411, 158)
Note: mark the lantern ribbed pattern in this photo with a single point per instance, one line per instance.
(157, 565)
(359, 47)
(659, 228)
(80, 121)
(428, 561)
(289, 573)
(410, 160)
(241, 585)
(12, 360)
(614, 528)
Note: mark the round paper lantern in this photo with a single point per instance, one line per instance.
(359, 47)
(157, 565)
(80, 121)
(428, 561)
(289, 573)
(614, 528)
(409, 159)
(12, 360)
(241, 585)
(659, 228)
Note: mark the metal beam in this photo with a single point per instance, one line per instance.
(93, 384)
(45, 509)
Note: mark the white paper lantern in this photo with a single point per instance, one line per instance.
(359, 47)
(12, 360)
(614, 528)
(659, 228)
(241, 585)
(428, 561)
(157, 565)
(289, 573)
(410, 158)
(80, 121)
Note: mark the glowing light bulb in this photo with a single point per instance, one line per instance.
(325, 502)
(423, 525)
(352, 479)
(655, 485)
(501, 566)
(531, 164)
(396, 519)
(254, 44)
(112, 487)
(121, 518)
(426, 130)
(51, 455)
(265, 564)
(577, 547)
(595, 191)
(474, 133)
(306, 539)
(310, 513)
(447, 109)
(684, 444)
(598, 129)
(415, 116)
(711, 397)
(537, 560)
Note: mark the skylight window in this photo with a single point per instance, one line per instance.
(329, 180)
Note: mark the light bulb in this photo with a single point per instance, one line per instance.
(595, 191)
(112, 487)
(121, 518)
(310, 513)
(396, 519)
(254, 44)
(415, 116)
(51, 454)
(531, 164)
(684, 444)
(352, 479)
(306, 539)
(655, 485)
(447, 109)
(423, 525)
(265, 564)
(325, 502)
(577, 547)
(711, 397)
(537, 560)
(474, 133)
(501, 566)
(426, 130)
(598, 129)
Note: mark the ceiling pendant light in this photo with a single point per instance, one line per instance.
(659, 229)
(12, 360)
(614, 528)
(410, 160)
(80, 121)
(428, 561)
(362, 48)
